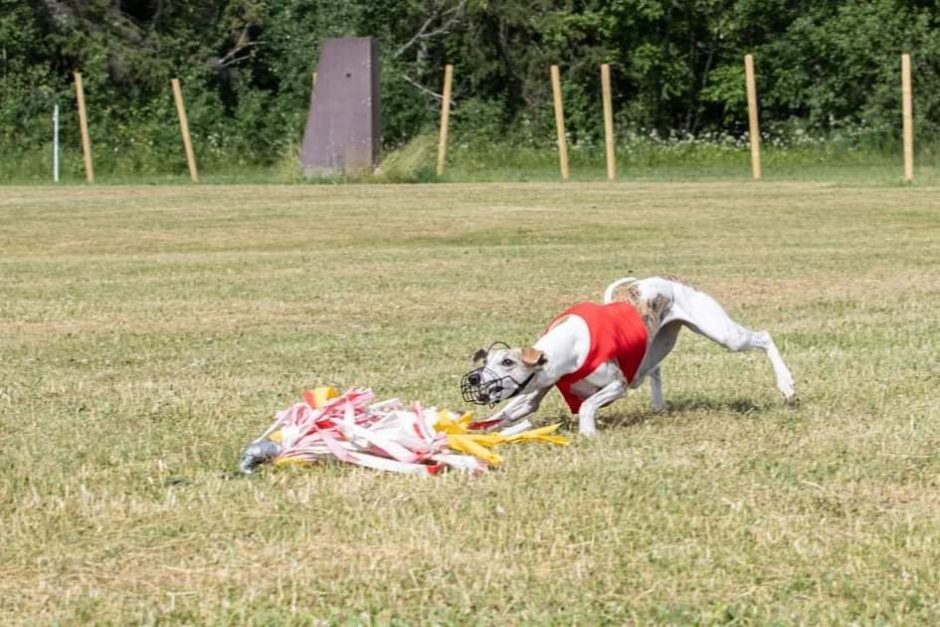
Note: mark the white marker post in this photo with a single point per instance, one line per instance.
(55, 144)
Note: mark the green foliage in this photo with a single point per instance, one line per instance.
(245, 65)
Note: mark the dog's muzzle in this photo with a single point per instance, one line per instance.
(482, 386)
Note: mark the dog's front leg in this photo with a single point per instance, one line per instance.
(607, 394)
(520, 406)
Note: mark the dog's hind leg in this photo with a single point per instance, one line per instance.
(658, 349)
(656, 389)
(702, 314)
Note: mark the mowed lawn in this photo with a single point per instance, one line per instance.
(148, 334)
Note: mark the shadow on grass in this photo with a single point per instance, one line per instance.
(676, 408)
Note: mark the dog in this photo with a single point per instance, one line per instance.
(595, 353)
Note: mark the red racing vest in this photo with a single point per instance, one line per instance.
(617, 332)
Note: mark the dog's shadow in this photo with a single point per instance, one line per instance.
(613, 419)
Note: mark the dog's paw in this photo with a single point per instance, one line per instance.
(786, 387)
(789, 393)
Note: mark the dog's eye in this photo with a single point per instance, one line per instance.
(508, 362)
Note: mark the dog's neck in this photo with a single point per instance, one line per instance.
(565, 347)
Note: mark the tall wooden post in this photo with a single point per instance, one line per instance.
(83, 126)
(55, 144)
(560, 124)
(184, 129)
(445, 117)
(608, 122)
(752, 114)
(907, 117)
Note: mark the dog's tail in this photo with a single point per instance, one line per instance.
(609, 292)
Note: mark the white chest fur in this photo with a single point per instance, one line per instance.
(603, 375)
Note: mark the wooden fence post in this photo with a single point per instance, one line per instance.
(752, 115)
(560, 124)
(55, 144)
(184, 129)
(445, 117)
(83, 126)
(907, 117)
(608, 122)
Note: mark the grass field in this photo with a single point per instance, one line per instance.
(149, 333)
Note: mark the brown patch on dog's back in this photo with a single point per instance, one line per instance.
(632, 295)
(652, 310)
(656, 310)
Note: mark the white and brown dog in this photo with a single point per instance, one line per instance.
(594, 353)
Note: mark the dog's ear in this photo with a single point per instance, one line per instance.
(532, 357)
(479, 355)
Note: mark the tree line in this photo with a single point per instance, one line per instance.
(823, 67)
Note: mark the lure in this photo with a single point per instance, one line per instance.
(389, 435)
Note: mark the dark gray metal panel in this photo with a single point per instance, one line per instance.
(344, 124)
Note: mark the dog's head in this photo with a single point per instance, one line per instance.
(504, 373)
